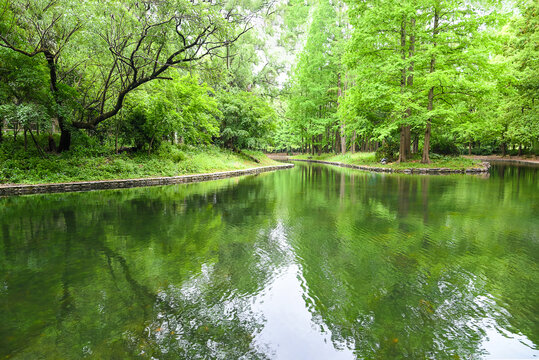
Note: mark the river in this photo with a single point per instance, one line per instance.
(314, 262)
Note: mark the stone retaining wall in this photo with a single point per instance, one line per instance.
(6, 190)
(433, 171)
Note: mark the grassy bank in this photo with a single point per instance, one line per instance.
(368, 159)
(86, 164)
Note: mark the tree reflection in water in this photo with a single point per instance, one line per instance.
(387, 266)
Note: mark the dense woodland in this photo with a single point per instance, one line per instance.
(314, 76)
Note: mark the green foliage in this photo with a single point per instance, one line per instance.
(444, 145)
(246, 121)
(389, 151)
(358, 73)
(180, 108)
(317, 78)
(93, 161)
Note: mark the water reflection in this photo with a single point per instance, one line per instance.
(314, 262)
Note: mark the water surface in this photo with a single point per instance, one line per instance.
(315, 262)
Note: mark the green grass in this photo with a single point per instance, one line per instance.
(368, 159)
(27, 167)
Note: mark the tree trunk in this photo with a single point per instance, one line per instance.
(1, 130)
(469, 148)
(40, 151)
(339, 95)
(65, 133)
(404, 145)
(519, 149)
(410, 83)
(426, 146)
(52, 144)
(415, 145)
(353, 144)
(25, 140)
(402, 140)
(150, 145)
(116, 138)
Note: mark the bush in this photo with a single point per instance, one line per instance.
(483, 150)
(388, 150)
(444, 145)
(171, 152)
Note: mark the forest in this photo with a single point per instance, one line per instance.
(413, 80)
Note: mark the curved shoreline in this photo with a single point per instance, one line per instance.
(23, 189)
(501, 160)
(424, 171)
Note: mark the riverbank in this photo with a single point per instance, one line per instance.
(17, 167)
(20, 189)
(506, 159)
(367, 161)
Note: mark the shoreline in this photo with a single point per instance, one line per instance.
(483, 169)
(419, 171)
(77, 186)
(500, 159)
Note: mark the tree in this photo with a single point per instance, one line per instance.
(316, 83)
(246, 120)
(420, 61)
(517, 119)
(132, 43)
(168, 109)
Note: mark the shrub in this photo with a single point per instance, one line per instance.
(171, 152)
(444, 145)
(388, 150)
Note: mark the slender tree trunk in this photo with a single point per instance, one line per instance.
(353, 144)
(339, 95)
(117, 130)
(40, 151)
(227, 57)
(25, 140)
(426, 145)
(150, 145)
(402, 141)
(519, 149)
(15, 131)
(409, 84)
(415, 144)
(1, 130)
(469, 148)
(65, 133)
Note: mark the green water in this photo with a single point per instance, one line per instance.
(310, 263)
